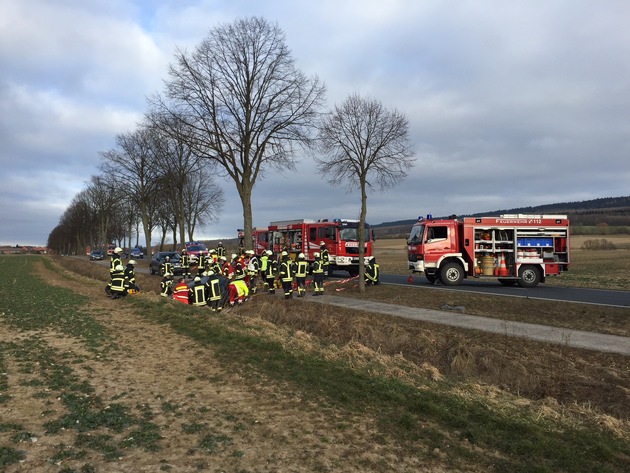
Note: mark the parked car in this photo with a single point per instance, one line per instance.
(158, 258)
(96, 254)
(137, 253)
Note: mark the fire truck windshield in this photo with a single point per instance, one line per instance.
(352, 234)
(415, 236)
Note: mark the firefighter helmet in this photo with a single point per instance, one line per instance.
(269, 252)
(119, 267)
(316, 254)
(301, 256)
(118, 249)
(168, 258)
(132, 262)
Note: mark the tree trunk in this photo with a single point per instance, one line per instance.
(245, 193)
(362, 237)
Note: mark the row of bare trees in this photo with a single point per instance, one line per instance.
(237, 107)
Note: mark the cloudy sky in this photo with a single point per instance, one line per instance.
(510, 103)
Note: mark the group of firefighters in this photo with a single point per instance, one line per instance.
(220, 282)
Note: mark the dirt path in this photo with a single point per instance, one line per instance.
(210, 419)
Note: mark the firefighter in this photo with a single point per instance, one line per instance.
(180, 291)
(166, 285)
(372, 272)
(220, 250)
(130, 278)
(201, 263)
(238, 292)
(116, 259)
(253, 270)
(225, 266)
(272, 272)
(301, 270)
(285, 273)
(213, 291)
(167, 266)
(318, 275)
(118, 282)
(197, 293)
(185, 263)
(323, 252)
(237, 270)
(264, 261)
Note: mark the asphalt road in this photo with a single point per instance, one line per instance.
(605, 297)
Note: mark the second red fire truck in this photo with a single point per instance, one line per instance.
(340, 236)
(516, 249)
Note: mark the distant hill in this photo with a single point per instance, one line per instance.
(611, 211)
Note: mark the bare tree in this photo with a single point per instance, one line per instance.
(243, 102)
(203, 199)
(190, 187)
(365, 147)
(132, 166)
(104, 201)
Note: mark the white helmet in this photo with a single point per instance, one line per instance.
(269, 252)
(234, 255)
(284, 253)
(197, 279)
(119, 267)
(301, 256)
(132, 261)
(209, 273)
(322, 243)
(316, 254)
(118, 249)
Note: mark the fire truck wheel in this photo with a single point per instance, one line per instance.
(431, 278)
(528, 276)
(451, 274)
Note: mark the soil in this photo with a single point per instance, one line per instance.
(256, 427)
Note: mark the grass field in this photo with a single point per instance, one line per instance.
(91, 384)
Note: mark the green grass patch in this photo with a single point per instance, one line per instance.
(9, 456)
(28, 303)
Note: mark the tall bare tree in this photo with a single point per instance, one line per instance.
(364, 146)
(244, 103)
(132, 166)
(194, 196)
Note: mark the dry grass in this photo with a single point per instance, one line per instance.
(536, 371)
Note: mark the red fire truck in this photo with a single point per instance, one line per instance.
(305, 236)
(522, 249)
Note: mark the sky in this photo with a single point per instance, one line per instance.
(510, 103)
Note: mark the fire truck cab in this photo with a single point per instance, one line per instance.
(305, 236)
(516, 249)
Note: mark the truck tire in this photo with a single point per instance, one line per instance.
(507, 282)
(451, 274)
(431, 278)
(529, 276)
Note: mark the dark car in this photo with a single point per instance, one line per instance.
(158, 259)
(136, 253)
(96, 254)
